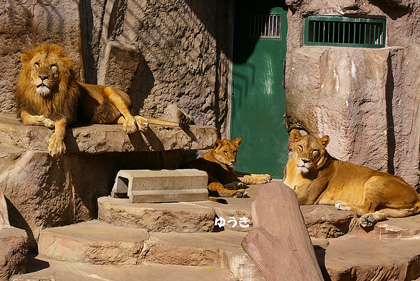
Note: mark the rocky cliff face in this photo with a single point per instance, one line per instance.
(366, 100)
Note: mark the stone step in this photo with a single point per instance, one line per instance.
(367, 258)
(42, 269)
(100, 243)
(93, 242)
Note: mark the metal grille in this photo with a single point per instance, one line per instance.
(265, 26)
(342, 31)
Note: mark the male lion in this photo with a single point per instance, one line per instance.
(223, 180)
(49, 95)
(318, 178)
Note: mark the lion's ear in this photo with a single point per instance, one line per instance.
(325, 140)
(295, 135)
(26, 57)
(68, 63)
(237, 142)
(218, 143)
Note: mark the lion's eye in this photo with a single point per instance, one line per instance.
(225, 152)
(300, 147)
(53, 66)
(36, 64)
(315, 151)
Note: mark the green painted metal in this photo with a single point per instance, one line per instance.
(345, 32)
(258, 95)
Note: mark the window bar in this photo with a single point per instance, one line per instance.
(354, 33)
(349, 35)
(333, 32)
(338, 33)
(314, 31)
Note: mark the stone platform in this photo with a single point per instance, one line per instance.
(43, 191)
(140, 237)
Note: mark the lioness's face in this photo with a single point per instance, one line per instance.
(45, 72)
(225, 151)
(309, 152)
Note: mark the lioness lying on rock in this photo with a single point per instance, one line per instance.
(224, 181)
(318, 178)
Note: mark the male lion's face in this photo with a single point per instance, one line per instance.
(225, 151)
(45, 73)
(309, 152)
(46, 65)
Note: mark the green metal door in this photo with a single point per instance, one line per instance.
(258, 95)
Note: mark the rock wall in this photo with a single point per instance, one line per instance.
(159, 52)
(366, 100)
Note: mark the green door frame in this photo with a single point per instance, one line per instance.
(258, 96)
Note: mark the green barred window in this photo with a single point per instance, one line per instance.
(345, 31)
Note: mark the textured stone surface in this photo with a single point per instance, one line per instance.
(404, 228)
(279, 243)
(93, 242)
(107, 138)
(324, 221)
(97, 242)
(356, 258)
(13, 252)
(148, 186)
(67, 271)
(4, 214)
(167, 217)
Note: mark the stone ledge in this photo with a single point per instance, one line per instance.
(94, 139)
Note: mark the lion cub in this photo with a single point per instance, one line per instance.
(318, 178)
(218, 163)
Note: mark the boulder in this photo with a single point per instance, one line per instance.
(279, 243)
(13, 252)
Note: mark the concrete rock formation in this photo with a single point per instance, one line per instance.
(46, 192)
(279, 243)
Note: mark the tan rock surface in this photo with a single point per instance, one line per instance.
(13, 252)
(356, 258)
(279, 243)
(107, 138)
(93, 242)
(164, 217)
(67, 271)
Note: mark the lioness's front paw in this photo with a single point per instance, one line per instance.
(241, 193)
(49, 123)
(142, 123)
(56, 146)
(367, 220)
(129, 125)
(267, 178)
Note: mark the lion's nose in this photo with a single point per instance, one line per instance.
(304, 160)
(43, 76)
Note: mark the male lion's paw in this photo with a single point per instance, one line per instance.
(49, 123)
(340, 205)
(367, 220)
(241, 193)
(56, 146)
(142, 123)
(129, 125)
(41, 120)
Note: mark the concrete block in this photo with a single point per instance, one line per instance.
(143, 186)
